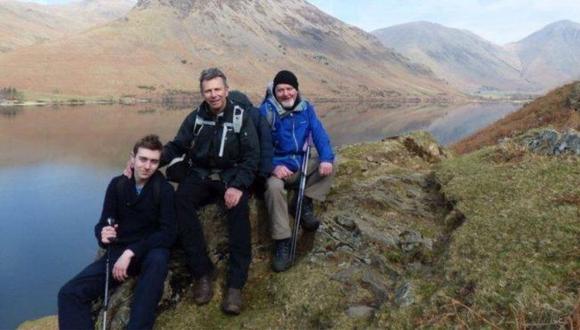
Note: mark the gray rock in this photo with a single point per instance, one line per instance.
(543, 142)
(377, 285)
(346, 221)
(569, 143)
(360, 311)
(411, 241)
(550, 142)
(404, 295)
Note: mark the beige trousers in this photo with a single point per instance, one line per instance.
(317, 187)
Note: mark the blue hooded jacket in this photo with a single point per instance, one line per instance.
(291, 128)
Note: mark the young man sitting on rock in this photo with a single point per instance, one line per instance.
(144, 230)
(292, 120)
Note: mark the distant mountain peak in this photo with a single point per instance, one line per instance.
(563, 23)
(559, 28)
(184, 6)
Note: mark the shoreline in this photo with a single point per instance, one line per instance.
(395, 100)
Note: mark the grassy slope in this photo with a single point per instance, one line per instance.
(549, 110)
(516, 259)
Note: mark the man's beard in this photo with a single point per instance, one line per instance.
(288, 104)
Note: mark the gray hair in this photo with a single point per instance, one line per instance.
(209, 74)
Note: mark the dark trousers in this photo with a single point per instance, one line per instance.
(75, 297)
(191, 195)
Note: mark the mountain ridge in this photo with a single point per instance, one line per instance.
(543, 60)
(24, 24)
(164, 44)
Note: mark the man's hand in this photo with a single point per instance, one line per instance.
(282, 172)
(108, 234)
(232, 197)
(325, 168)
(128, 171)
(121, 266)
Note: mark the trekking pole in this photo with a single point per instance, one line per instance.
(302, 187)
(110, 222)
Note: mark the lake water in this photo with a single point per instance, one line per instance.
(55, 164)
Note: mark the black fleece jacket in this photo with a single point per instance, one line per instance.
(145, 222)
(241, 152)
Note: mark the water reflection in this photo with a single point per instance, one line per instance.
(357, 122)
(10, 111)
(102, 134)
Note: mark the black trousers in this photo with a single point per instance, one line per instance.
(76, 296)
(194, 193)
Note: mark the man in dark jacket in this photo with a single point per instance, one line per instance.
(223, 150)
(293, 120)
(144, 210)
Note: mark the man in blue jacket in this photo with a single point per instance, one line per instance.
(292, 120)
(145, 229)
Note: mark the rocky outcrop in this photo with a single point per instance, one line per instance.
(385, 217)
(552, 142)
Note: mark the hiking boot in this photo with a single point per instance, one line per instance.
(309, 221)
(203, 290)
(282, 260)
(232, 303)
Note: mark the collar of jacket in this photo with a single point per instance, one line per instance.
(157, 175)
(207, 114)
(301, 106)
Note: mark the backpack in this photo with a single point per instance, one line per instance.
(179, 167)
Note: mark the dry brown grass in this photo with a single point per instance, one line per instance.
(549, 110)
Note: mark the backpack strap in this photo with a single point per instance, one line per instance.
(236, 125)
(238, 118)
(270, 116)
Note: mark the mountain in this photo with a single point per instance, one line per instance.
(164, 44)
(26, 23)
(551, 56)
(466, 60)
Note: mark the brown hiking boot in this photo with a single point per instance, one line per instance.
(203, 290)
(232, 303)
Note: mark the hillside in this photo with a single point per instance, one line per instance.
(411, 237)
(467, 61)
(550, 55)
(559, 109)
(162, 45)
(25, 23)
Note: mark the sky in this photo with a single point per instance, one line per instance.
(499, 21)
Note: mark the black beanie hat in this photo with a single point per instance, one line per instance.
(285, 77)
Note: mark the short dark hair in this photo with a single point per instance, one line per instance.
(209, 74)
(150, 142)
